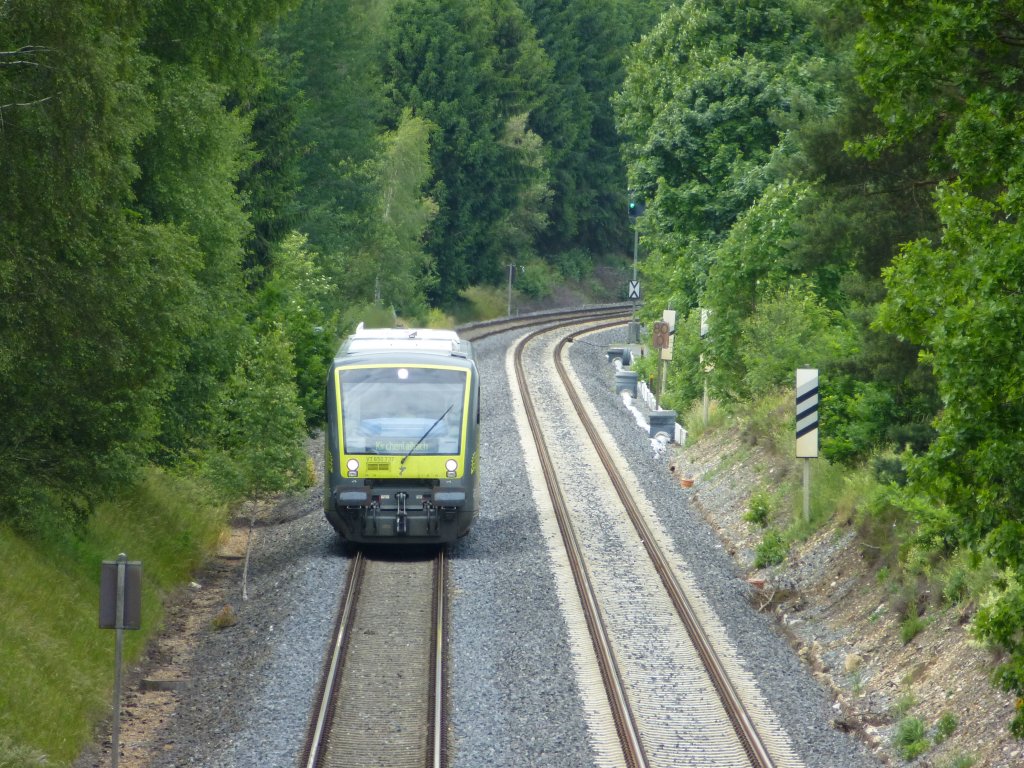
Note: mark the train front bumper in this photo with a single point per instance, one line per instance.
(400, 515)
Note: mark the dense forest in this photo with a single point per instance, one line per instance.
(199, 198)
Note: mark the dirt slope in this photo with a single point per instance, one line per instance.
(831, 605)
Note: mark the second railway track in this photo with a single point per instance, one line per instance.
(660, 706)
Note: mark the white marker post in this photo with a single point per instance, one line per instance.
(668, 317)
(703, 335)
(807, 427)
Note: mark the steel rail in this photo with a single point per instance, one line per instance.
(318, 752)
(551, 318)
(437, 671)
(622, 713)
(320, 727)
(743, 724)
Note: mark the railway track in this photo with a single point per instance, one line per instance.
(482, 330)
(382, 696)
(642, 741)
(384, 684)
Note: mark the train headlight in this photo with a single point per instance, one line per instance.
(451, 465)
(353, 467)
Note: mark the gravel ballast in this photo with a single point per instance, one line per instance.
(514, 699)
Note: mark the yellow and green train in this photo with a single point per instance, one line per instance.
(403, 437)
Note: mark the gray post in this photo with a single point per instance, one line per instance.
(807, 490)
(511, 267)
(115, 741)
(706, 401)
(636, 248)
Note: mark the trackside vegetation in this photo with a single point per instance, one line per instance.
(59, 665)
(839, 186)
(199, 200)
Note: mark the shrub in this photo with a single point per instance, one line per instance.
(535, 279)
(575, 264)
(772, 550)
(945, 726)
(759, 508)
(910, 740)
(911, 627)
(998, 624)
(482, 303)
(789, 327)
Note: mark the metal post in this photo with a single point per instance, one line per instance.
(511, 267)
(636, 248)
(115, 741)
(807, 490)
(706, 401)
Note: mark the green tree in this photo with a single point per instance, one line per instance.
(586, 41)
(467, 67)
(294, 298)
(527, 217)
(92, 301)
(337, 44)
(193, 165)
(402, 270)
(260, 430)
(949, 75)
(706, 100)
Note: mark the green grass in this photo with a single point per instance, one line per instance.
(480, 302)
(693, 419)
(772, 550)
(959, 761)
(58, 665)
(945, 727)
(910, 739)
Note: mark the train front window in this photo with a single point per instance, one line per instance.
(396, 411)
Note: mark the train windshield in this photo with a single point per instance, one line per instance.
(402, 410)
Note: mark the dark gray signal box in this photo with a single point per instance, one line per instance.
(132, 595)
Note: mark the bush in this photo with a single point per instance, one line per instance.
(911, 627)
(910, 739)
(772, 550)
(998, 624)
(575, 264)
(759, 508)
(878, 522)
(481, 303)
(535, 279)
(945, 727)
(788, 329)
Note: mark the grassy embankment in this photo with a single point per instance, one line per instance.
(57, 665)
(917, 576)
(838, 494)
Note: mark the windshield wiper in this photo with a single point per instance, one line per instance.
(431, 429)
